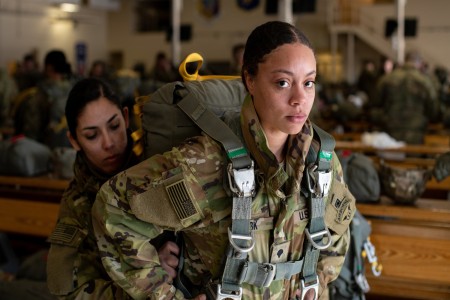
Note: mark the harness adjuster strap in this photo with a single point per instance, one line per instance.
(263, 274)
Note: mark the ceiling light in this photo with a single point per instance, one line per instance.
(69, 7)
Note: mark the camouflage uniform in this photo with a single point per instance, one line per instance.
(8, 91)
(74, 269)
(132, 208)
(42, 116)
(407, 101)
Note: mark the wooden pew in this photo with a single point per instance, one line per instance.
(407, 149)
(430, 139)
(28, 217)
(413, 245)
(40, 187)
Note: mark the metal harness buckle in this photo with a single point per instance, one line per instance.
(242, 181)
(362, 282)
(372, 258)
(322, 180)
(313, 286)
(311, 238)
(224, 295)
(232, 236)
(271, 271)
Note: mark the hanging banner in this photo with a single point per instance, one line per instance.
(248, 4)
(209, 8)
(81, 57)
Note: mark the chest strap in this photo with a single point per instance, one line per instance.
(262, 274)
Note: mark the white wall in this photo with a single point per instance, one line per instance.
(33, 24)
(212, 38)
(28, 24)
(433, 32)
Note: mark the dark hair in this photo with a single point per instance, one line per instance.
(264, 39)
(83, 92)
(57, 59)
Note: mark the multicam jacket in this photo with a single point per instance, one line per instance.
(41, 117)
(132, 208)
(407, 101)
(74, 268)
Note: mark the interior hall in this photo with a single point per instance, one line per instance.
(381, 90)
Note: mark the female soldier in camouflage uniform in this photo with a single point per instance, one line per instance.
(98, 131)
(133, 207)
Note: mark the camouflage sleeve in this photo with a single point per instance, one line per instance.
(432, 104)
(124, 240)
(340, 209)
(35, 117)
(73, 267)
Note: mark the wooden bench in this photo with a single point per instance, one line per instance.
(40, 187)
(430, 139)
(28, 217)
(413, 245)
(407, 149)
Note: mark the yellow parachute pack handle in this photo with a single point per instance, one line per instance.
(137, 135)
(139, 101)
(195, 57)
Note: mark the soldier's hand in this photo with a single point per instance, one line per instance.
(309, 295)
(168, 256)
(442, 167)
(200, 297)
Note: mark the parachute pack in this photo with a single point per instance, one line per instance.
(164, 124)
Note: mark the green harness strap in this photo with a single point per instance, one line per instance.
(318, 176)
(241, 177)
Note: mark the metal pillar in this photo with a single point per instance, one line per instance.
(176, 47)
(350, 58)
(334, 46)
(285, 11)
(400, 5)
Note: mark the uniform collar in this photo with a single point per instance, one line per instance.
(256, 142)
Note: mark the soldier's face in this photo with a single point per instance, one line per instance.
(101, 135)
(283, 90)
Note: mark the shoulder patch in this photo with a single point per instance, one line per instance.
(181, 200)
(67, 235)
(168, 203)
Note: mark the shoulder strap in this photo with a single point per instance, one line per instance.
(318, 173)
(241, 180)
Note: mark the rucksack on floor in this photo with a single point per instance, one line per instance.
(361, 176)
